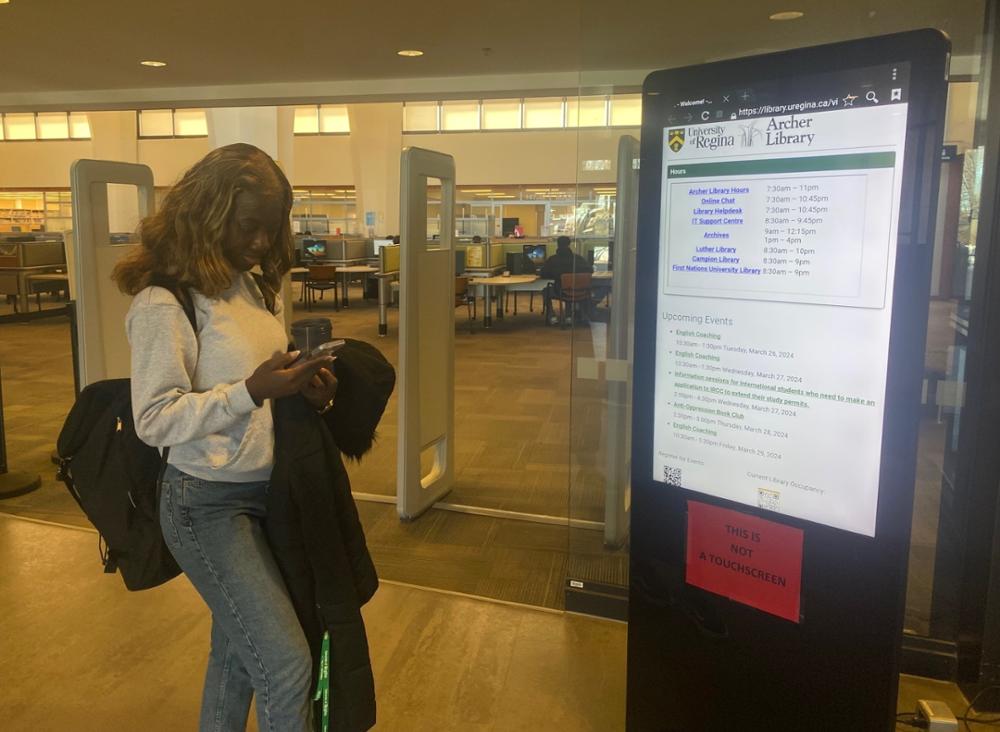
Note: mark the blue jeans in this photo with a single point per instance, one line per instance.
(214, 532)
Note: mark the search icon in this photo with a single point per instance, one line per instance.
(870, 96)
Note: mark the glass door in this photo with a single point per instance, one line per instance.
(603, 221)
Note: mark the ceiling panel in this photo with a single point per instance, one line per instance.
(65, 47)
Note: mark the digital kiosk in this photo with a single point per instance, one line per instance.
(786, 221)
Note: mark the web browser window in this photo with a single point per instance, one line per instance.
(778, 239)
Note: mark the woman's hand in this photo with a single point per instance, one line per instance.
(320, 389)
(277, 377)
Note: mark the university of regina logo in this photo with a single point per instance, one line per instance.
(675, 139)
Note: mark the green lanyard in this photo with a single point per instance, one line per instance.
(323, 685)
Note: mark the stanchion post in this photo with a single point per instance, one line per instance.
(17, 483)
(74, 344)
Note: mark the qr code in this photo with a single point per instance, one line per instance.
(673, 476)
(768, 499)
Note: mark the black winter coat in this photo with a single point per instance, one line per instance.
(314, 530)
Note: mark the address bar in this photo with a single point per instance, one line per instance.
(778, 109)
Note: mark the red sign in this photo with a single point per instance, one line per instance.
(745, 558)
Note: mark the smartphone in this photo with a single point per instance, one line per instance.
(329, 348)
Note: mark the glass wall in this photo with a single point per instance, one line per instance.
(600, 362)
(324, 210)
(545, 210)
(27, 211)
(931, 603)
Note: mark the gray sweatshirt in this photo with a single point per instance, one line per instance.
(189, 392)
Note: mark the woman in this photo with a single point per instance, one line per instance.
(207, 394)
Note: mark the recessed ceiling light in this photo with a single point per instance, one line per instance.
(787, 15)
(155, 64)
(410, 53)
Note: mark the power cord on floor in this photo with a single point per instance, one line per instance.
(986, 721)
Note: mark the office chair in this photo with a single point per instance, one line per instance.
(574, 290)
(321, 277)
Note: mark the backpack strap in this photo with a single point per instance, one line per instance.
(265, 291)
(183, 295)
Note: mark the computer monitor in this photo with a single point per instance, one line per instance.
(535, 252)
(602, 258)
(379, 243)
(313, 249)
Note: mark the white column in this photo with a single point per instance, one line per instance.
(269, 128)
(114, 137)
(376, 142)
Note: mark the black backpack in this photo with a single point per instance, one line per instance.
(115, 478)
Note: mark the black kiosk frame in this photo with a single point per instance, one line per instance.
(699, 661)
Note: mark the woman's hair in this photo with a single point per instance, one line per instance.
(182, 243)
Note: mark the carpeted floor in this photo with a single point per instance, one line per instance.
(529, 438)
(518, 413)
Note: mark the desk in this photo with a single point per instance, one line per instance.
(300, 274)
(50, 283)
(539, 285)
(335, 262)
(14, 281)
(513, 283)
(480, 271)
(600, 283)
(354, 269)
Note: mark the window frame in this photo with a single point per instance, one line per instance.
(173, 124)
(319, 121)
(608, 102)
(37, 130)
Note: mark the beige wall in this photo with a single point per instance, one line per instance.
(46, 164)
(39, 164)
(961, 120)
(531, 217)
(494, 158)
(170, 158)
(323, 160)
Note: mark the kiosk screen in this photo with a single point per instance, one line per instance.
(777, 245)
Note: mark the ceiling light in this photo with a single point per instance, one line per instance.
(787, 15)
(410, 53)
(154, 64)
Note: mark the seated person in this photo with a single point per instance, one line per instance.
(564, 261)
